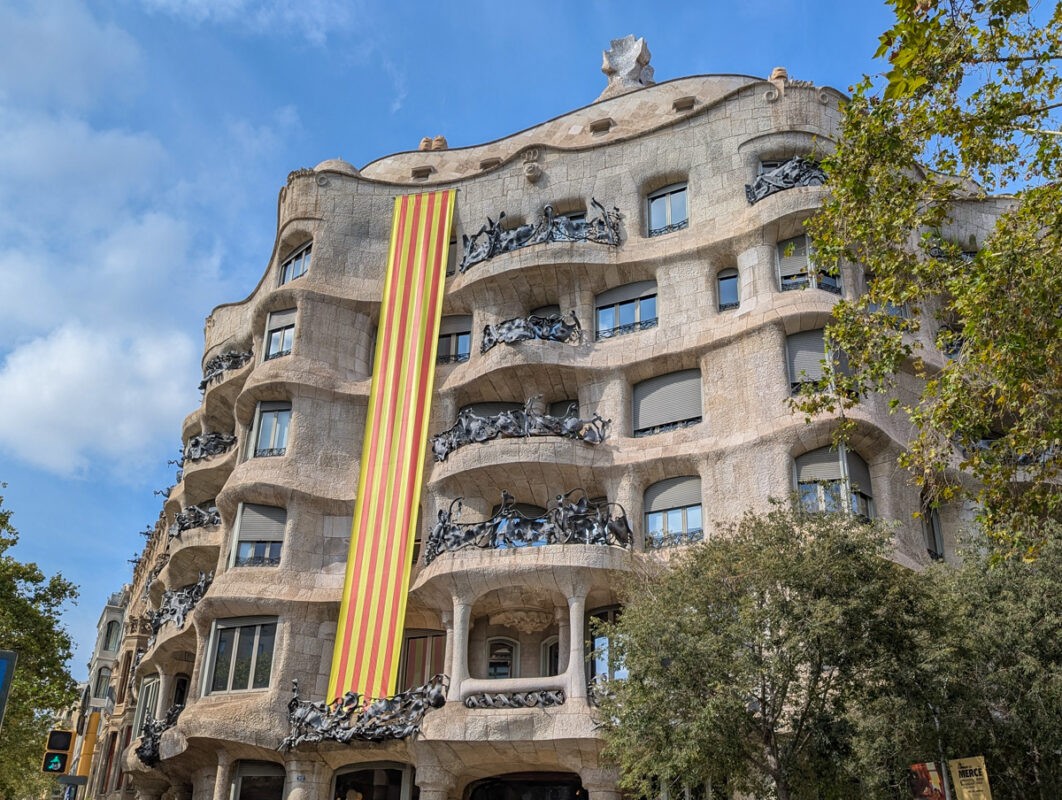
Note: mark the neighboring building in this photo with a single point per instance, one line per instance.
(697, 324)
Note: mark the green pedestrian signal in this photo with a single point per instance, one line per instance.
(57, 754)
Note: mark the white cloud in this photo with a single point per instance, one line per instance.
(314, 20)
(55, 51)
(59, 174)
(78, 397)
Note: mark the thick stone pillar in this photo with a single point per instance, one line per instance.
(162, 705)
(600, 784)
(576, 625)
(223, 777)
(564, 645)
(435, 783)
(306, 780)
(448, 652)
(459, 673)
(757, 275)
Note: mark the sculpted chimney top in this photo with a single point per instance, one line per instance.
(626, 63)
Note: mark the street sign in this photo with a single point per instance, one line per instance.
(7, 674)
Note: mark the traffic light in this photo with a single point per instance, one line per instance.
(57, 753)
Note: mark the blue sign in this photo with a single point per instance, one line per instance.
(7, 674)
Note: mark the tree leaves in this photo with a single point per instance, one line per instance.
(969, 106)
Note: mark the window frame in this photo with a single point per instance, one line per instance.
(609, 615)
(664, 499)
(514, 659)
(238, 533)
(727, 274)
(933, 532)
(278, 323)
(281, 406)
(671, 425)
(667, 193)
(149, 687)
(840, 492)
(547, 648)
(238, 623)
(101, 684)
(256, 769)
(301, 257)
(436, 641)
(637, 294)
(452, 332)
(813, 277)
(112, 643)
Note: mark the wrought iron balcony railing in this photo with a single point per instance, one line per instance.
(665, 229)
(659, 540)
(667, 426)
(630, 327)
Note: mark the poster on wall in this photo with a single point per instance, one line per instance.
(969, 778)
(926, 781)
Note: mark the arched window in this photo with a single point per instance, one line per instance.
(673, 512)
(103, 679)
(503, 658)
(834, 480)
(728, 290)
(111, 637)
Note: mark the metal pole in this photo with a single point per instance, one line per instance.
(940, 752)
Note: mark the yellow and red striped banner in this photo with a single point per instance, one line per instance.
(372, 614)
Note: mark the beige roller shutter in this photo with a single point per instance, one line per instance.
(674, 397)
(793, 256)
(823, 464)
(456, 323)
(805, 351)
(673, 493)
(629, 291)
(281, 319)
(262, 523)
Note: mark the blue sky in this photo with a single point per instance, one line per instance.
(142, 146)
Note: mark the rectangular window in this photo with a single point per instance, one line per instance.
(667, 402)
(805, 353)
(296, 265)
(147, 700)
(271, 438)
(280, 334)
(423, 658)
(455, 339)
(797, 270)
(625, 309)
(241, 656)
(667, 210)
(260, 535)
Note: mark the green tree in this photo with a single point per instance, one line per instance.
(754, 661)
(30, 604)
(971, 94)
(1005, 688)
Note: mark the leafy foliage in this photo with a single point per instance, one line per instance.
(788, 658)
(750, 660)
(972, 95)
(30, 604)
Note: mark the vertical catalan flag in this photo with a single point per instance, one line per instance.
(372, 613)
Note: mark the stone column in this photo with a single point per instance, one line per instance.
(459, 673)
(305, 779)
(435, 783)
(448, 653)
(162, 705)
(564, 645)
(223, 777)
(576, 625)
(600, 784)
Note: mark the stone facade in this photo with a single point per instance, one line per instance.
(505, 621)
